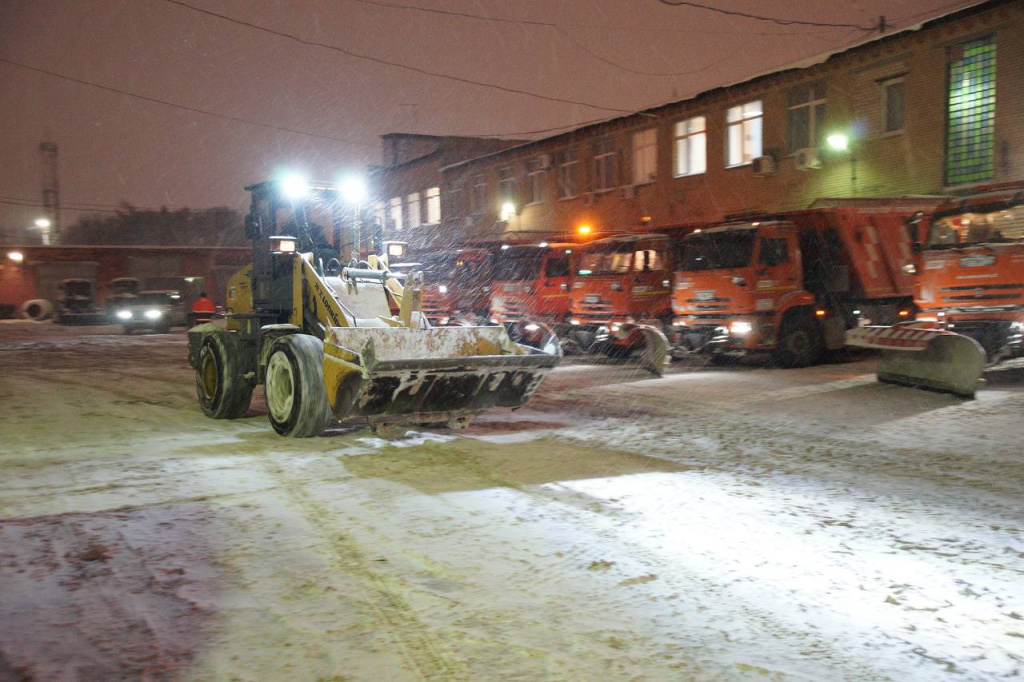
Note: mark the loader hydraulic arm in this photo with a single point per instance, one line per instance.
(314, 300)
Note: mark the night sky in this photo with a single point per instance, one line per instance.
(607, 56)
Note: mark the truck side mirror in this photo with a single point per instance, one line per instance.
(912, 228)
(916, 247)
(252, 226)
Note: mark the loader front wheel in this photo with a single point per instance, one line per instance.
(294, 384)
(222, 391)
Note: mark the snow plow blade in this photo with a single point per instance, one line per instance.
(82, 318)
(931, 359)
(445, 374)
(654, 354)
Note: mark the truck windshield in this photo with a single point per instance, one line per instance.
(448, 265)
(518, 267)
(711, 251)
(607, 259)
(1000, 226)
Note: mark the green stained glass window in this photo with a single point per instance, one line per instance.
(970, 137)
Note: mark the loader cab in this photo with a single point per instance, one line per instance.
(309, 219)
(531, 282)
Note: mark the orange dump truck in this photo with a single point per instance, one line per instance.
(458, 289)
(621, 295)
(969, 295)
(792, 284)
(532, 283)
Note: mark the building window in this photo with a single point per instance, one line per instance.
(433, 205)
(506, 185)
(568, 174)
(892, 106)
(645, 156)
(535, 176)
(396, 213)
(604, 164)
(806, 115)
(691, 147)
(743, 126)
(970, 140)
(412, 204)
(478, 194)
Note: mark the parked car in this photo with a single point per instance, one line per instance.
(154, 310)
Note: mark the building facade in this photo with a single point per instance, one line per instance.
(929, 111)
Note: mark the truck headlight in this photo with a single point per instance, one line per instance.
(153, 314)
(442, 289)
(124, 314)
(740, 328)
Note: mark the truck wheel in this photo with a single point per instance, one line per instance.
(222, 391)
(37, 309)
(799, 343)
(296, 398)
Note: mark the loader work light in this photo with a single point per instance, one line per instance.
(294, 186)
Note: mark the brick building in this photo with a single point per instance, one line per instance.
(407, 188)
(927, 111)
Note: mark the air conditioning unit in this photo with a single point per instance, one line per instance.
(629, 192)
(764, 166)
(807, 159)
(544, 161)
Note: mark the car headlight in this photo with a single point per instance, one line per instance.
(153, 314)
(124, 314)
(740, 328)
(442, 289)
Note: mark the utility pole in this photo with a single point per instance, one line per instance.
(51, 188)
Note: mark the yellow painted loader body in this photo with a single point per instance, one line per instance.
(331, 342)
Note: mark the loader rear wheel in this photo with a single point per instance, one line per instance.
(800, 343)
(222, 391)
(296, 398)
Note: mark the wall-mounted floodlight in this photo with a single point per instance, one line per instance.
(838, 142)
(508, 209)
(42, 223)
(16, 256)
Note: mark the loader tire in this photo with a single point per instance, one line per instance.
(297, 402)
(800, 343)
(222, 391)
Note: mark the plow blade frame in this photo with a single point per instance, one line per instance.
(444, 374)
(931, 359)
(654, 354)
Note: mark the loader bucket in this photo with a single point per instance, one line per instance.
(932, 359)
(442, 374)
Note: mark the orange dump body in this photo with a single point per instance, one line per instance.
(532, 283)
(971, 269)
(736, 284)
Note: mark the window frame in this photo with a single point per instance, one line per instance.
(536, 175)
(604, 164)
(885, 84)
(642, 149)
(687, 138)
(397, 219)
(478, 194)
(414, 204)
(568, 166)
(742, 122)
(432, 197)
(815, 128)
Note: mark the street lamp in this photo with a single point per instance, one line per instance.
(353, 191)
(44, 225)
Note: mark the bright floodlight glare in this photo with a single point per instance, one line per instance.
(353, 190)
(16, 256)
(294, 186)
(42, 222)
(543, 245)
(583, 229)
(508, 209)
(124, 314)
(838, 142)
(153, 314)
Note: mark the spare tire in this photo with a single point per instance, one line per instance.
(37, 309)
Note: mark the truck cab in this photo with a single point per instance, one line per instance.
(618, 281)
(532, 282)
(970, 273)
(458, 288)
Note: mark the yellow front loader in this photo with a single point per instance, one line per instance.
(329, 342)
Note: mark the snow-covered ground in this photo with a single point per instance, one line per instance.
(716, 523)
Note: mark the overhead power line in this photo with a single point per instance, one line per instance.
(399, 65)
(185, 107)
(760, 17)
(551, 24)
(109, 208)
